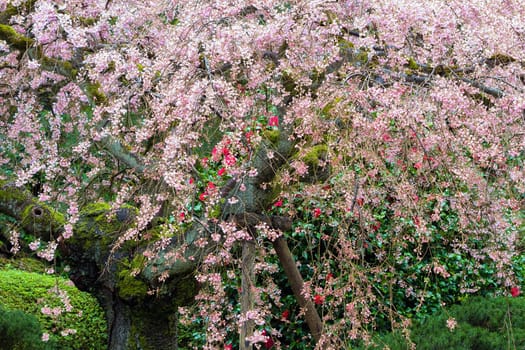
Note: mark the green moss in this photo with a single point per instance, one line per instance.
(33, 214)
(93, 91)
(272, 135)
(362, 57)
(325, 111)
(14, 39)
(500, 59)
(289, 84)
(23, 263)
(60, 66)
(412, 64)
(130, 287)
(30, 292)
(215, 212)
(42, 215)
(87, 21)
(95, 229)
(10, 194)
(314, 154)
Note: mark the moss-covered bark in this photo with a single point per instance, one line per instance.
(137, 319)
(35, 217)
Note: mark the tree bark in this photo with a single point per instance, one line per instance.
(247, 297)
(296, 283)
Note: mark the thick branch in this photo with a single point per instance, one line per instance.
(116, 150)
(34, 217)
(296, 283)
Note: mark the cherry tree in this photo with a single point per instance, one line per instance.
(167, 141)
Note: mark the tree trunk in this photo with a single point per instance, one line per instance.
(247, 299)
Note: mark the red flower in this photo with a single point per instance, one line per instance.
(279, 203)
(273, 121)
(211, 186)
(329, 276)
(221, 171)
(269, 341)
(182, 216)
(191, 181)
(317, 212)
(225, 151)
(360, 201)
(228, 347)
(285, 314)
(515, 291)
(202, 196)
(318, 299)
(418, 165)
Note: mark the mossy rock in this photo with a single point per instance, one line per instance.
(482, 324)
(30, 292)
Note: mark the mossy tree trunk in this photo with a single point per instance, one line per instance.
(136, 320)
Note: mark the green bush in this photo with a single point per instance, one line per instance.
(30, 292)
(20, 331)
(482, 324)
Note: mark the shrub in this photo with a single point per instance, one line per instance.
(19, 330)
(36, 294)
(482, 324)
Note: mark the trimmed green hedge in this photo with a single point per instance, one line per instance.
(482, 324)
(31, 292)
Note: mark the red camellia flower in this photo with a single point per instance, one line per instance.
(418, 165)
(269, 341)
(228, 347)
(285, 314)
(211, 186)
(318, 299)
(221, 171)
(273, 121)
(329, 276)
(515, 291)
(202, 196)
(279, 203)
(317, 212)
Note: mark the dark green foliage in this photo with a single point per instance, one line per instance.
(30, 292)
(20, 331)
(482, 324)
